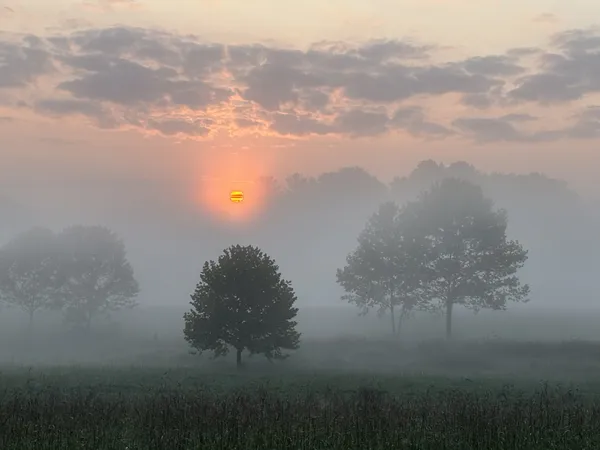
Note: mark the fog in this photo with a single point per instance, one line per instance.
(308, 226)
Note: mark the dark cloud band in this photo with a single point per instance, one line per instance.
(150, 79)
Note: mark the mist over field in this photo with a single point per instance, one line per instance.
(309, 226)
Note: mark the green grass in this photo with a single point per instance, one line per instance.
(188, 408)
(346, 393)
(508, 381)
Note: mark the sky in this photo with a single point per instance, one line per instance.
(101, 97)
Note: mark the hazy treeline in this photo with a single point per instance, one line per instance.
(82, 271)
(310, 224)
(325, 215)
(447, 248)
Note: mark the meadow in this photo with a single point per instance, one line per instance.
(341, 390)
(183, 408)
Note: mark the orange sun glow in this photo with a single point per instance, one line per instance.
(228, 184)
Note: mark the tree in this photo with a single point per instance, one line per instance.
(242, 302)
(384, 270)
(470, 260)
(29, 273)
(97, 276)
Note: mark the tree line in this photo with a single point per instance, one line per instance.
(82, 271)
(448, 247)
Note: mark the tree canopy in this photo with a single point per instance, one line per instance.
(384, 271)
(242, 302)
(470, 260)
(97, 276)
(29, 271)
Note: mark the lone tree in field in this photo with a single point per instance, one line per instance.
(470, 260)
(97, 277)
(384, 271)
(29, 273)
(242, 302)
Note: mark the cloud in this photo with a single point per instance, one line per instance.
(122, 82)
(21, 62)
(357, 122)
(115, 65)
(548, 88)
(586, 125)
(136, 71)
(298, 125)
(172, 127)
(565, 75)
(488, 129)
(129, 83)
(401, 83)
(247, 123)
(479, 101)
(174, 85)
(503, 129)
(518, 117)
(68, 107)
(376, 72)
(272, 86)
(111, 41)
(413, 120)
(497, 65)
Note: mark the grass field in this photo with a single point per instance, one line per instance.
(213, 406)
(536, 386)
(152, 409)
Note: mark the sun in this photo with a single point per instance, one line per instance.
(236, 196)
(229, 186)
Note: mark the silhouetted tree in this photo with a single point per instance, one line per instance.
(384, 271)
(29, 273)
(470, 260)
(97, 276)
(242, 302)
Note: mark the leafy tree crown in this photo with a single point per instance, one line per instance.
(243, 302)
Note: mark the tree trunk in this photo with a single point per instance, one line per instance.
(239, 358)
(401, 319)
(31, 312)
(30, 327)
(393, 319)
(88, 323)
(449, 305)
